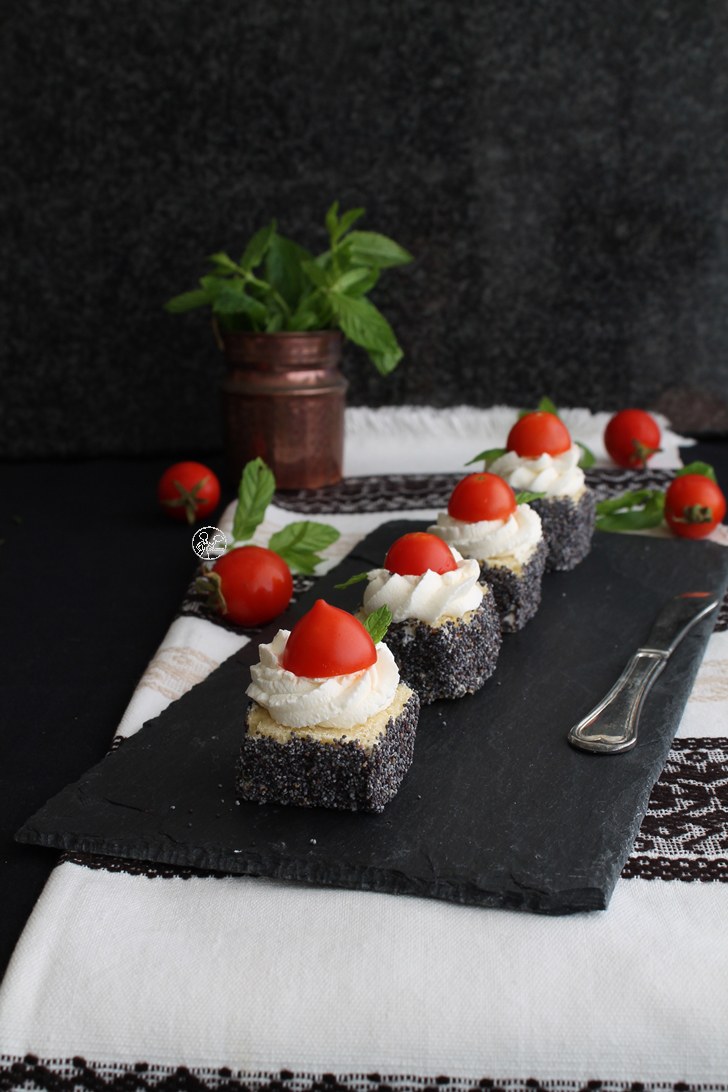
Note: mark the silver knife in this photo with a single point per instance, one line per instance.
(611, 726)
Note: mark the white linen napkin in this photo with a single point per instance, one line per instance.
(398, 439)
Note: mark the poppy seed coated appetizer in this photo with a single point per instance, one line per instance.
(485, 522)
(330, 724)
(540, 457)
(445, 632)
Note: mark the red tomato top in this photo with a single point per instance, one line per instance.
(328, 641)
(415, 553)
(481, 496)
(537, 434)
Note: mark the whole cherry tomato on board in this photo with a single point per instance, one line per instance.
(632, 437)
(415, 553)
(188, 491)
(328, 641)
(481, 497)
(694, 506)
(249, 585)
(538, 433)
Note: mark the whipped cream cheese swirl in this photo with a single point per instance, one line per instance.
(342, 701)
(488, 539)
(554, 475)
(428, 597)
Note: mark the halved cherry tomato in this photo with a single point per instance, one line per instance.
(481, 496)
(415, 553)
(188, 491)
(538, 433)
(328, 641)
(632, 437)
(694, 506)
(249, 585)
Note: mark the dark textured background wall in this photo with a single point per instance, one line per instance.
(559, 169)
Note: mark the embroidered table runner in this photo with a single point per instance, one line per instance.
(139, 977)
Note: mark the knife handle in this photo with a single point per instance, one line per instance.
(611, 726)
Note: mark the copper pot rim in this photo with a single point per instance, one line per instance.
(282, 335)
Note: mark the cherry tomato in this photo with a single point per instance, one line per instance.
(480, 497)
(632, 437)
(415, 553)
(694, 506)
(249, 585)
(538, 433)
(188, 491)
(328, 641)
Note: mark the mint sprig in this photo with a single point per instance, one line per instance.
(297, 543)
(524, 497)
(296, 292)
(633, 511)
(377, 623)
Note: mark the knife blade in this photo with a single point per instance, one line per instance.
(611, 726)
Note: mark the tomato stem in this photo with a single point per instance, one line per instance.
(210, 586)
(642, 452)
(695, 513)
(187, 497)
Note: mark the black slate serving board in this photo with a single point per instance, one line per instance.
(496, 810)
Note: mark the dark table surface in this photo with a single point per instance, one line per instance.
(93, 573)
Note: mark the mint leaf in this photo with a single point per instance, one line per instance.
(305, 319)
(223, 262)
(627, 500)
(490, 455)
(587, 459)
(631, 517)
(332, 221)
(385, 362)
(345, 223)
(232, 299)
(348, 280)
(637, 519)
(297, 543)
(187, 301)
(370, 248)
(256, 249)
(547, 406)
(524, 496)
(284, 269)
(315, 273)
(257, 486)
(360, 288)
(352, 580)
(704, 469)
(377, 623)
(363, 323)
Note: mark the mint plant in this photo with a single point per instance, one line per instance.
(295, 291)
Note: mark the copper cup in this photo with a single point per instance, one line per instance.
(283, 400)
